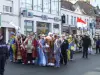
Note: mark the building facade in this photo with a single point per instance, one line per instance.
(40, 16)
(8, 13)
(71, 13)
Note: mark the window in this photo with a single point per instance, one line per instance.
(56, 26)
(67, 19)
(72, 20)
(7, 8)
(87, 22)
(26, 4)
(29, 4)
(22, 3)
(28, 27)
(43, 28)
(55, 7)
(35, 5)
(46, 6)
(39, 7)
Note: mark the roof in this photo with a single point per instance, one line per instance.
(67, 5)
(88, 8)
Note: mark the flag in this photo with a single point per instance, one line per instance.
(81, 23)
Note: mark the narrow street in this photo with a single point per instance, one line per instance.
(79, 66)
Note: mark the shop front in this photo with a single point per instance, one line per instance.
(43, 28)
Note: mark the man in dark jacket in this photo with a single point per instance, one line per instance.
(3, 54)
(64, 48)
(86, 44)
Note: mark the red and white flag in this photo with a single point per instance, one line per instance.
(81, 23)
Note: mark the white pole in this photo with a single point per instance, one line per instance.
(82, 29)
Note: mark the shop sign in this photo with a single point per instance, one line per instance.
(25, 13)
(56, 19)
(30, 14)
(44, 17)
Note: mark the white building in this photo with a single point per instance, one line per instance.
(72, 12)
(9, 13)
(40, 16)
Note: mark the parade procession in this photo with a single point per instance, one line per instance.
(51, 50)
(53, 37)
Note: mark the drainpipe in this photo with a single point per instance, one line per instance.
(19, 14)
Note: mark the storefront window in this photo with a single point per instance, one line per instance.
(43, 28)
(55, 7)
(28, 27)
(56, 28)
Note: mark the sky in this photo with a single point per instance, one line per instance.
(95, 2)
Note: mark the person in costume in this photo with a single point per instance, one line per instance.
(12, 50)
(57, 50)
(19, 51)
(50, 42)
(42, 59)
(29, 47)
(23, 50)
(34, 51)
(71, 46)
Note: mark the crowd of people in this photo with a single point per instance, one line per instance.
(50, 50)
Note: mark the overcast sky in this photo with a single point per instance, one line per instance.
(95, 2)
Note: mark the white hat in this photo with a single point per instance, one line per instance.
(49, 33)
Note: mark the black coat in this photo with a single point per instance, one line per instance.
(64, 46)
(86, 41)
(4, 49)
